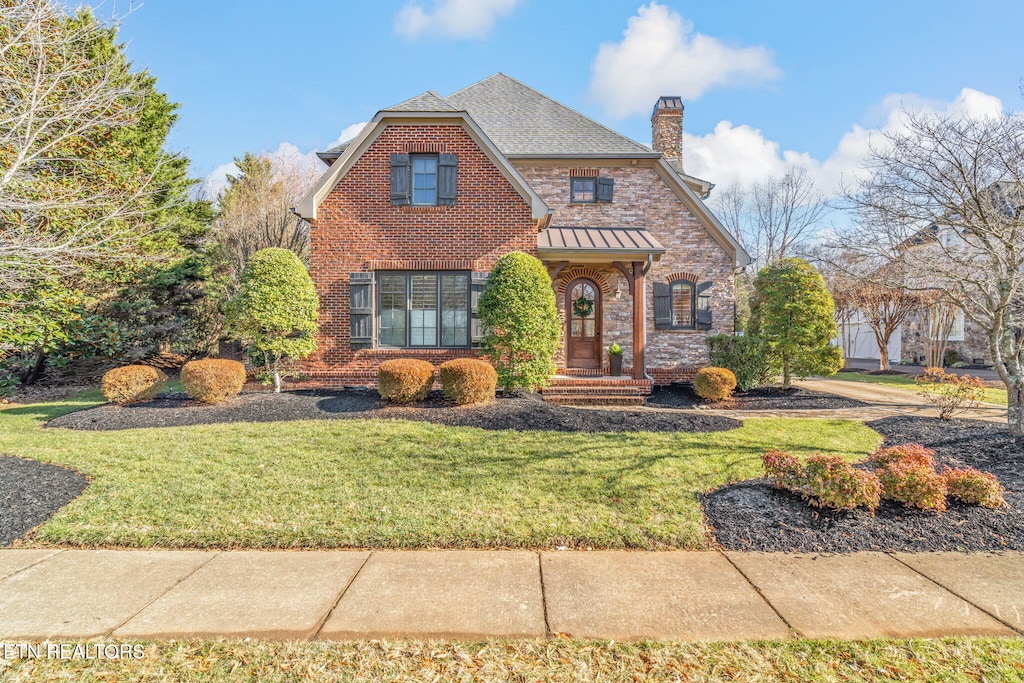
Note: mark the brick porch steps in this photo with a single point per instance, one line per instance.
(596, 391)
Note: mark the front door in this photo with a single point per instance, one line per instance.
(583, 323)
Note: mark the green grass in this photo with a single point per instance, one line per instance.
(397, 484)
(992, 394)
(820, 661)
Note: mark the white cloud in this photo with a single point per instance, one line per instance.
(451, 18)
(740, 153)
(347, 134)
(660, 54)
(215, 183)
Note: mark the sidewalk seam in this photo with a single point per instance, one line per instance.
(29, 566)
(327, 615)
(957, 595)
(757, 589)
(543, 595)
(165, 592)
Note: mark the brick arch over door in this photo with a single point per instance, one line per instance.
(572, 272)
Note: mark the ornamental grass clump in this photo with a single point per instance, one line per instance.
(824, 481)
(714, 384)
(132, 383)
(468, 380)
(404, 380)
(213, 380)
(975, 487)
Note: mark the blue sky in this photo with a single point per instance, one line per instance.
(765, 84)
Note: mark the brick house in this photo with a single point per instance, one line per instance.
(412, 214)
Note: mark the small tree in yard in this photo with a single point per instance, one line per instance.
(795, 315)
(274, 314)
(520, 319)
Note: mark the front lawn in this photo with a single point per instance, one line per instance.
(992, 394)
(398, 484)
(822, 661)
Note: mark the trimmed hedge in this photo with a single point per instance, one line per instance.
(714, 384)
(404, 380)
(213, 380)
(747, 357)
(132, 383)
(468, 380)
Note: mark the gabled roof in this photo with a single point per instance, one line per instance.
(427, 101)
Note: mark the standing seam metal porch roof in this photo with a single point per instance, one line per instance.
(595, 241)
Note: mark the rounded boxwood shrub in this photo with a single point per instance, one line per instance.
(468, 380)
(714, 384)
(132, 383)
(404, 380)
(213, 380)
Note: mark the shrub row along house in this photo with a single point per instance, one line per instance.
(412, 214)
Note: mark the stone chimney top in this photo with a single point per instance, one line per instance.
(667, 128)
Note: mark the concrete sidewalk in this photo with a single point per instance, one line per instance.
(475, 594)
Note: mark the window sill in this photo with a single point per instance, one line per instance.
(408, 208)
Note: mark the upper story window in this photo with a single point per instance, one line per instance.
(424, 179)
(590, 190)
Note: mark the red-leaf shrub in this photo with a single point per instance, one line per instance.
(825, 481)
(132, 383)
(213, 380)
(913, 484)
(468, 380)
(404, 380)
(973, 486)
(949, 392)
(908, 454)
(714, 384)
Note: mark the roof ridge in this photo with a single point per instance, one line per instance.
(551, 99)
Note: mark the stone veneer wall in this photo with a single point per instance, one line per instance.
(643, 200)
(974, 345)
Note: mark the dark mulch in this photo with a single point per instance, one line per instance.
(521, 413)
(30, 492)
(751, 515)
(769, 398)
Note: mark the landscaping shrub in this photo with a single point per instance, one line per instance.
(949, 392)
(973, 486)
(714, 384)
(404, 380)
(132, 383)
(468, 380)
(913, 484)
(825, 481)
(213, 380)
(907, 455)
(746, 356)
(520, 321)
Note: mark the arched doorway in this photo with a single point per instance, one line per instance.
(583, 324)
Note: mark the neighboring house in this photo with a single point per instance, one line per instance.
(413, 213)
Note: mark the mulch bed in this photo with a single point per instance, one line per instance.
(751, 515)
(520, 413)
(30, 492)
(771, 398)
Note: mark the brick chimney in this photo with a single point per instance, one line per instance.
(667, 128)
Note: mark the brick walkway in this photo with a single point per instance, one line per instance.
(474, 594)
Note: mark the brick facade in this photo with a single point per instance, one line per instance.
(358, 230)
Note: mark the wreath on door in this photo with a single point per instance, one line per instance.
(583, 307)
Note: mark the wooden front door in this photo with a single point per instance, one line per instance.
(583, 324)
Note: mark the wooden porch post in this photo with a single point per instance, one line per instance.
(639, 367)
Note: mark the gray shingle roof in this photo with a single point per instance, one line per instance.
(521, 120)
(428, 101)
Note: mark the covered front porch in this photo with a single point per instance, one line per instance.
(599, 278)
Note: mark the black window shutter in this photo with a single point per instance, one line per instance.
(400, 179)
(704, 306)
(360, 312)
(662, 306)
(477, 284)
(605, 188)
(447, 178)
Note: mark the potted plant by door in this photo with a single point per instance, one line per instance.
(615, 359)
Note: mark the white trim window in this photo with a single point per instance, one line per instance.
(956, 330)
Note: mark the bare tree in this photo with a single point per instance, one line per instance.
(255, 208)
(59, 98)
(944, 197)
(776, 217)
(884, 308)
(937, 317)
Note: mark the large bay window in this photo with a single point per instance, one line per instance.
(423, 309)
